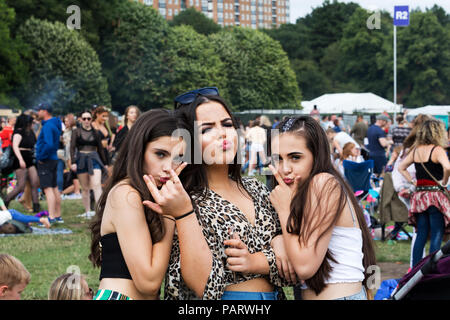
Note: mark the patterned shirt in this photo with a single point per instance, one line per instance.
(216, 216)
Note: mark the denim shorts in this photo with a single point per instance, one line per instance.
(95, 165)
(357, 296)
(245, 295)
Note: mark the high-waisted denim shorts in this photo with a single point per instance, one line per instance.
(245, 295)
(362, 295)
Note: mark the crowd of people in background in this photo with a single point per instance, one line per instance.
(88, 156)
(61, 157)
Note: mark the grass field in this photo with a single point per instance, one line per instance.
(47, 257)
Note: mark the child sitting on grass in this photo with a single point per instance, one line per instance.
(14, 277)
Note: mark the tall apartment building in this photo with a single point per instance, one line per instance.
(247, 13)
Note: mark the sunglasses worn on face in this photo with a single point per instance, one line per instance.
(85, 119)
(190, 96)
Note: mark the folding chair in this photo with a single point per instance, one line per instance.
(359, 174)
(392, 209)
(360, 177)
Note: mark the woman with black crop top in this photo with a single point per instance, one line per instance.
(131, 242)
(24, 140)
(88, 159)
(430, 208)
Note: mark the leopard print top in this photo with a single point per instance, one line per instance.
(216, 215)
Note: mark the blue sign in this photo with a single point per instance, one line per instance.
(401, 16)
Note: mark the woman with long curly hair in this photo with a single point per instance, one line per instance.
(430, 208)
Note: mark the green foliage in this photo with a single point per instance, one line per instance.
(363, 60)
(310, 78)
(64, 69)
(13, 70)
(423, 51)
(258, 70)
(192, 17)
(133, 57)
(326, 24)
(97, 17)
(191, 63)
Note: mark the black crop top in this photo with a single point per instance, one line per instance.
(28, 138)
(113, 262)
(434, 168)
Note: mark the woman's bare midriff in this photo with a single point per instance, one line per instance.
(333, 291)
(126, 287)
(254, 285)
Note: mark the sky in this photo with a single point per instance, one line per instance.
(300, 8)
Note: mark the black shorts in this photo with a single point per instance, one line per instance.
(47, 173)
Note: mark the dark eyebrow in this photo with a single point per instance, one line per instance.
(295, 153)
(212, 123)
(161, 150)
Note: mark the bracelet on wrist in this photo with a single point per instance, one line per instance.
(185, 215)
(170, 218)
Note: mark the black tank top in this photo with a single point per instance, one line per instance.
(113, 263)
(434, 168)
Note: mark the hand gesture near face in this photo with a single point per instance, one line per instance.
(171, 199)
(282, 194)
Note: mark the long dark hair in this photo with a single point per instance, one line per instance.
(299, 221)
(23, 123)
(194, 176)
(129, 164)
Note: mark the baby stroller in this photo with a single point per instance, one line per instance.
(428, 280)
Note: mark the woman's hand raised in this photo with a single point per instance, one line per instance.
(282, 194)
(171, 199)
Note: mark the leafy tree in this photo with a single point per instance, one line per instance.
(423, 50)
(294, 38)
(364, 58)
(96, 16)
(191, 62)
(13, 70)
(312, 81)
(326, 24)
(64, 69)
(133, 57)
(201, 23)
(258, 70)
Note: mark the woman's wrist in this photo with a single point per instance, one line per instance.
(184, 215)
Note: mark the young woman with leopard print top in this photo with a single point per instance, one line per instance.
(231, 247)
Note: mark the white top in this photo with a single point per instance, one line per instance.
(257, 135)
(342, 138)
(346, 248)
(398, 180)
(5, 215)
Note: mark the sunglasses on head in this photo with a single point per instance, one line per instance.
(190, 96)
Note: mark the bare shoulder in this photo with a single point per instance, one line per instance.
(323, 180)
(325, 184)
(123, 195)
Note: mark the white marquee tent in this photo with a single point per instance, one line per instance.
(336, 103)
(432, 110)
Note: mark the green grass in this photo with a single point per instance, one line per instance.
(47, 257)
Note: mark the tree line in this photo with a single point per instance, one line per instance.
(332, 50)
(127, 53)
